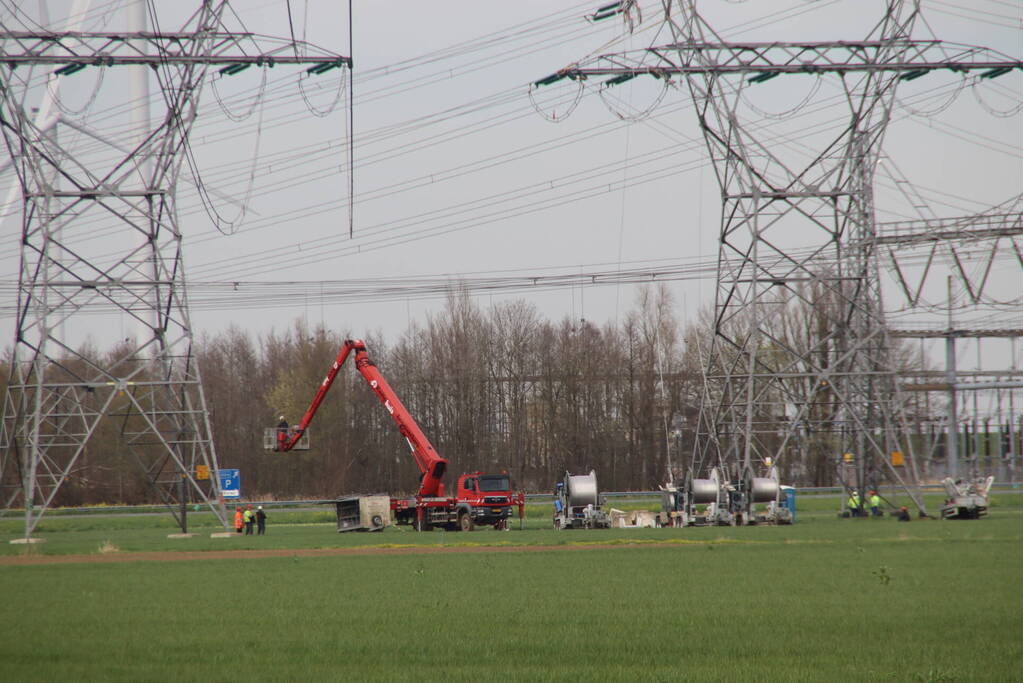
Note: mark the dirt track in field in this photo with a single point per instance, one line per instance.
(185, 555)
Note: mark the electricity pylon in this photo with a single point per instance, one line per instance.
(149, 389)
(797, 230)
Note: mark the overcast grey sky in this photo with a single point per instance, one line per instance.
(458, 175)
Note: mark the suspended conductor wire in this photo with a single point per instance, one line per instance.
(627, 19)
(256, 100)
(621, 216)
(291, 30)
(778, 116)
(323, 113)
(179, 121)
(235, 223)
(941, 107)
(350, 132)
(1002, 114)
(107, 15)
(552, 115)
(305, 23)
(84, 110)
(642, 115)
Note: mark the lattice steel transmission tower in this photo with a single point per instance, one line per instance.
(149, 390)
(800, 350)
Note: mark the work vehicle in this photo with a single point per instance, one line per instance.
(480, 498)
(966, 499)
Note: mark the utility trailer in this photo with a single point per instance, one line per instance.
(363, 513)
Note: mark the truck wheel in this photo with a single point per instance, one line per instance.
(465, 522)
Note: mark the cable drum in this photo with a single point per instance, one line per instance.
(703, 491)
(763, 490)
(582, 489)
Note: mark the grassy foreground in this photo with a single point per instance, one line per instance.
(825, 599)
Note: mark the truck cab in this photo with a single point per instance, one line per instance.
(484, 499)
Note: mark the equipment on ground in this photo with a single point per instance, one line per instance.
(479, 499)
(577, 504)
(726, 501)
(966, 499)
(633, 519)
(766, 490)
(679, 505)
(363, 513)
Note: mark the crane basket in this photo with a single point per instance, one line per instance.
(270, 439)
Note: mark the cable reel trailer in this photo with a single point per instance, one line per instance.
(721, 511)
(762, 490)
(679, 505)
(577, 504)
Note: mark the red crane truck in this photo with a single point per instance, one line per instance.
(485, 499)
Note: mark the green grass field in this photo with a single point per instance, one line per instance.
(824, 599)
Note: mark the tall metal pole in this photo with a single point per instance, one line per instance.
(953, 413)
(952, 457)
(1013, 452)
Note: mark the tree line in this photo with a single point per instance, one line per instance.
(498, 388)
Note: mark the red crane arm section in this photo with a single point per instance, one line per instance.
(431, 464)
(325, 385)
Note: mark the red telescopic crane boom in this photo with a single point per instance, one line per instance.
(431, 464)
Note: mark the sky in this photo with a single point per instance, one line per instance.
(461, 173)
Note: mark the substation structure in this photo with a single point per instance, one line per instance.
(150, 391)
(797, 235)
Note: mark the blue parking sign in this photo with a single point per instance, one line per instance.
(230, 483)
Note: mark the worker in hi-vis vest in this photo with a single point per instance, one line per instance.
(854, 504)
(875, 504)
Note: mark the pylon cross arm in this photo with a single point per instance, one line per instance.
(907, 56)
(154, 49)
